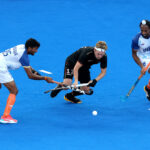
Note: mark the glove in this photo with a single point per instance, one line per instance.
(93, 83)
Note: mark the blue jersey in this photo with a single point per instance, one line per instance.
(141, 45)
(16, 57)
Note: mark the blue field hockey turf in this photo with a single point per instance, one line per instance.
(62, 27)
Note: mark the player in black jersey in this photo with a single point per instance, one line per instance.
(78, 64)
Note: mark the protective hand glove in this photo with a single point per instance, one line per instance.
(93, 83)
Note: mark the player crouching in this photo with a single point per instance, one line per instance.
(77, 65)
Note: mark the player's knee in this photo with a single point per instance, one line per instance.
(14, 91)
(90, 92)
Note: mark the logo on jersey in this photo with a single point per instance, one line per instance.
(141, 43)
(90, 60)
(146, 49)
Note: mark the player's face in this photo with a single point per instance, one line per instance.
(99, 54)
(145, 31)
(32, 51)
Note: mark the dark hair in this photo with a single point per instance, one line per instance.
(32, 43)
(145, 23)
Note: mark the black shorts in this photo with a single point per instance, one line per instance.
(84, 73)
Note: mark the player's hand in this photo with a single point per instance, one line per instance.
(49, 79)
(92, 83)
(75, 84)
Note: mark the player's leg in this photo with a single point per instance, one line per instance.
(68, 75)
(147, 87)
(84, 77)
(6, 118)
(8, 81)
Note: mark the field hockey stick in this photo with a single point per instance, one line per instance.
(71, 87)
(57, 82)
(78, 85)
(134, 85)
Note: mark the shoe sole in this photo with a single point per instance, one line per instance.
(72, 101)
(5, 122)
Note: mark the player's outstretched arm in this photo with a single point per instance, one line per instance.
(35, 72)
(33, 76)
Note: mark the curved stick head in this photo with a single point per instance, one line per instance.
(123, 98)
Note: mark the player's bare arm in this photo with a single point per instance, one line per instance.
(75, 71)
(35, 72)
(93, 82)
(137, 60)
(102, 74)
(33, 76)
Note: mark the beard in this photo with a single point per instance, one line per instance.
(30, 53)
(146, 36)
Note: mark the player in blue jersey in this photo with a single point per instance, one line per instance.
(141, 50)
(12, 59)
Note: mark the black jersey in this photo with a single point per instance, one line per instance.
(86, 57)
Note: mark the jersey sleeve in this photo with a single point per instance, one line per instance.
(104, 62)
(24, 60)
(134, 44)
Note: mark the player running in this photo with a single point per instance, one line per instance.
(141, 50)
(78, 65)
(12, 59)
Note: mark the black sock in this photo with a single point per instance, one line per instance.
(76, 93)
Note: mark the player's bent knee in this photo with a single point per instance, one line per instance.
(90, 92)
(14, 91)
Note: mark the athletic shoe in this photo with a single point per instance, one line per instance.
(55, 91)
(147, 91)
(72, 99)
(7, 119)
